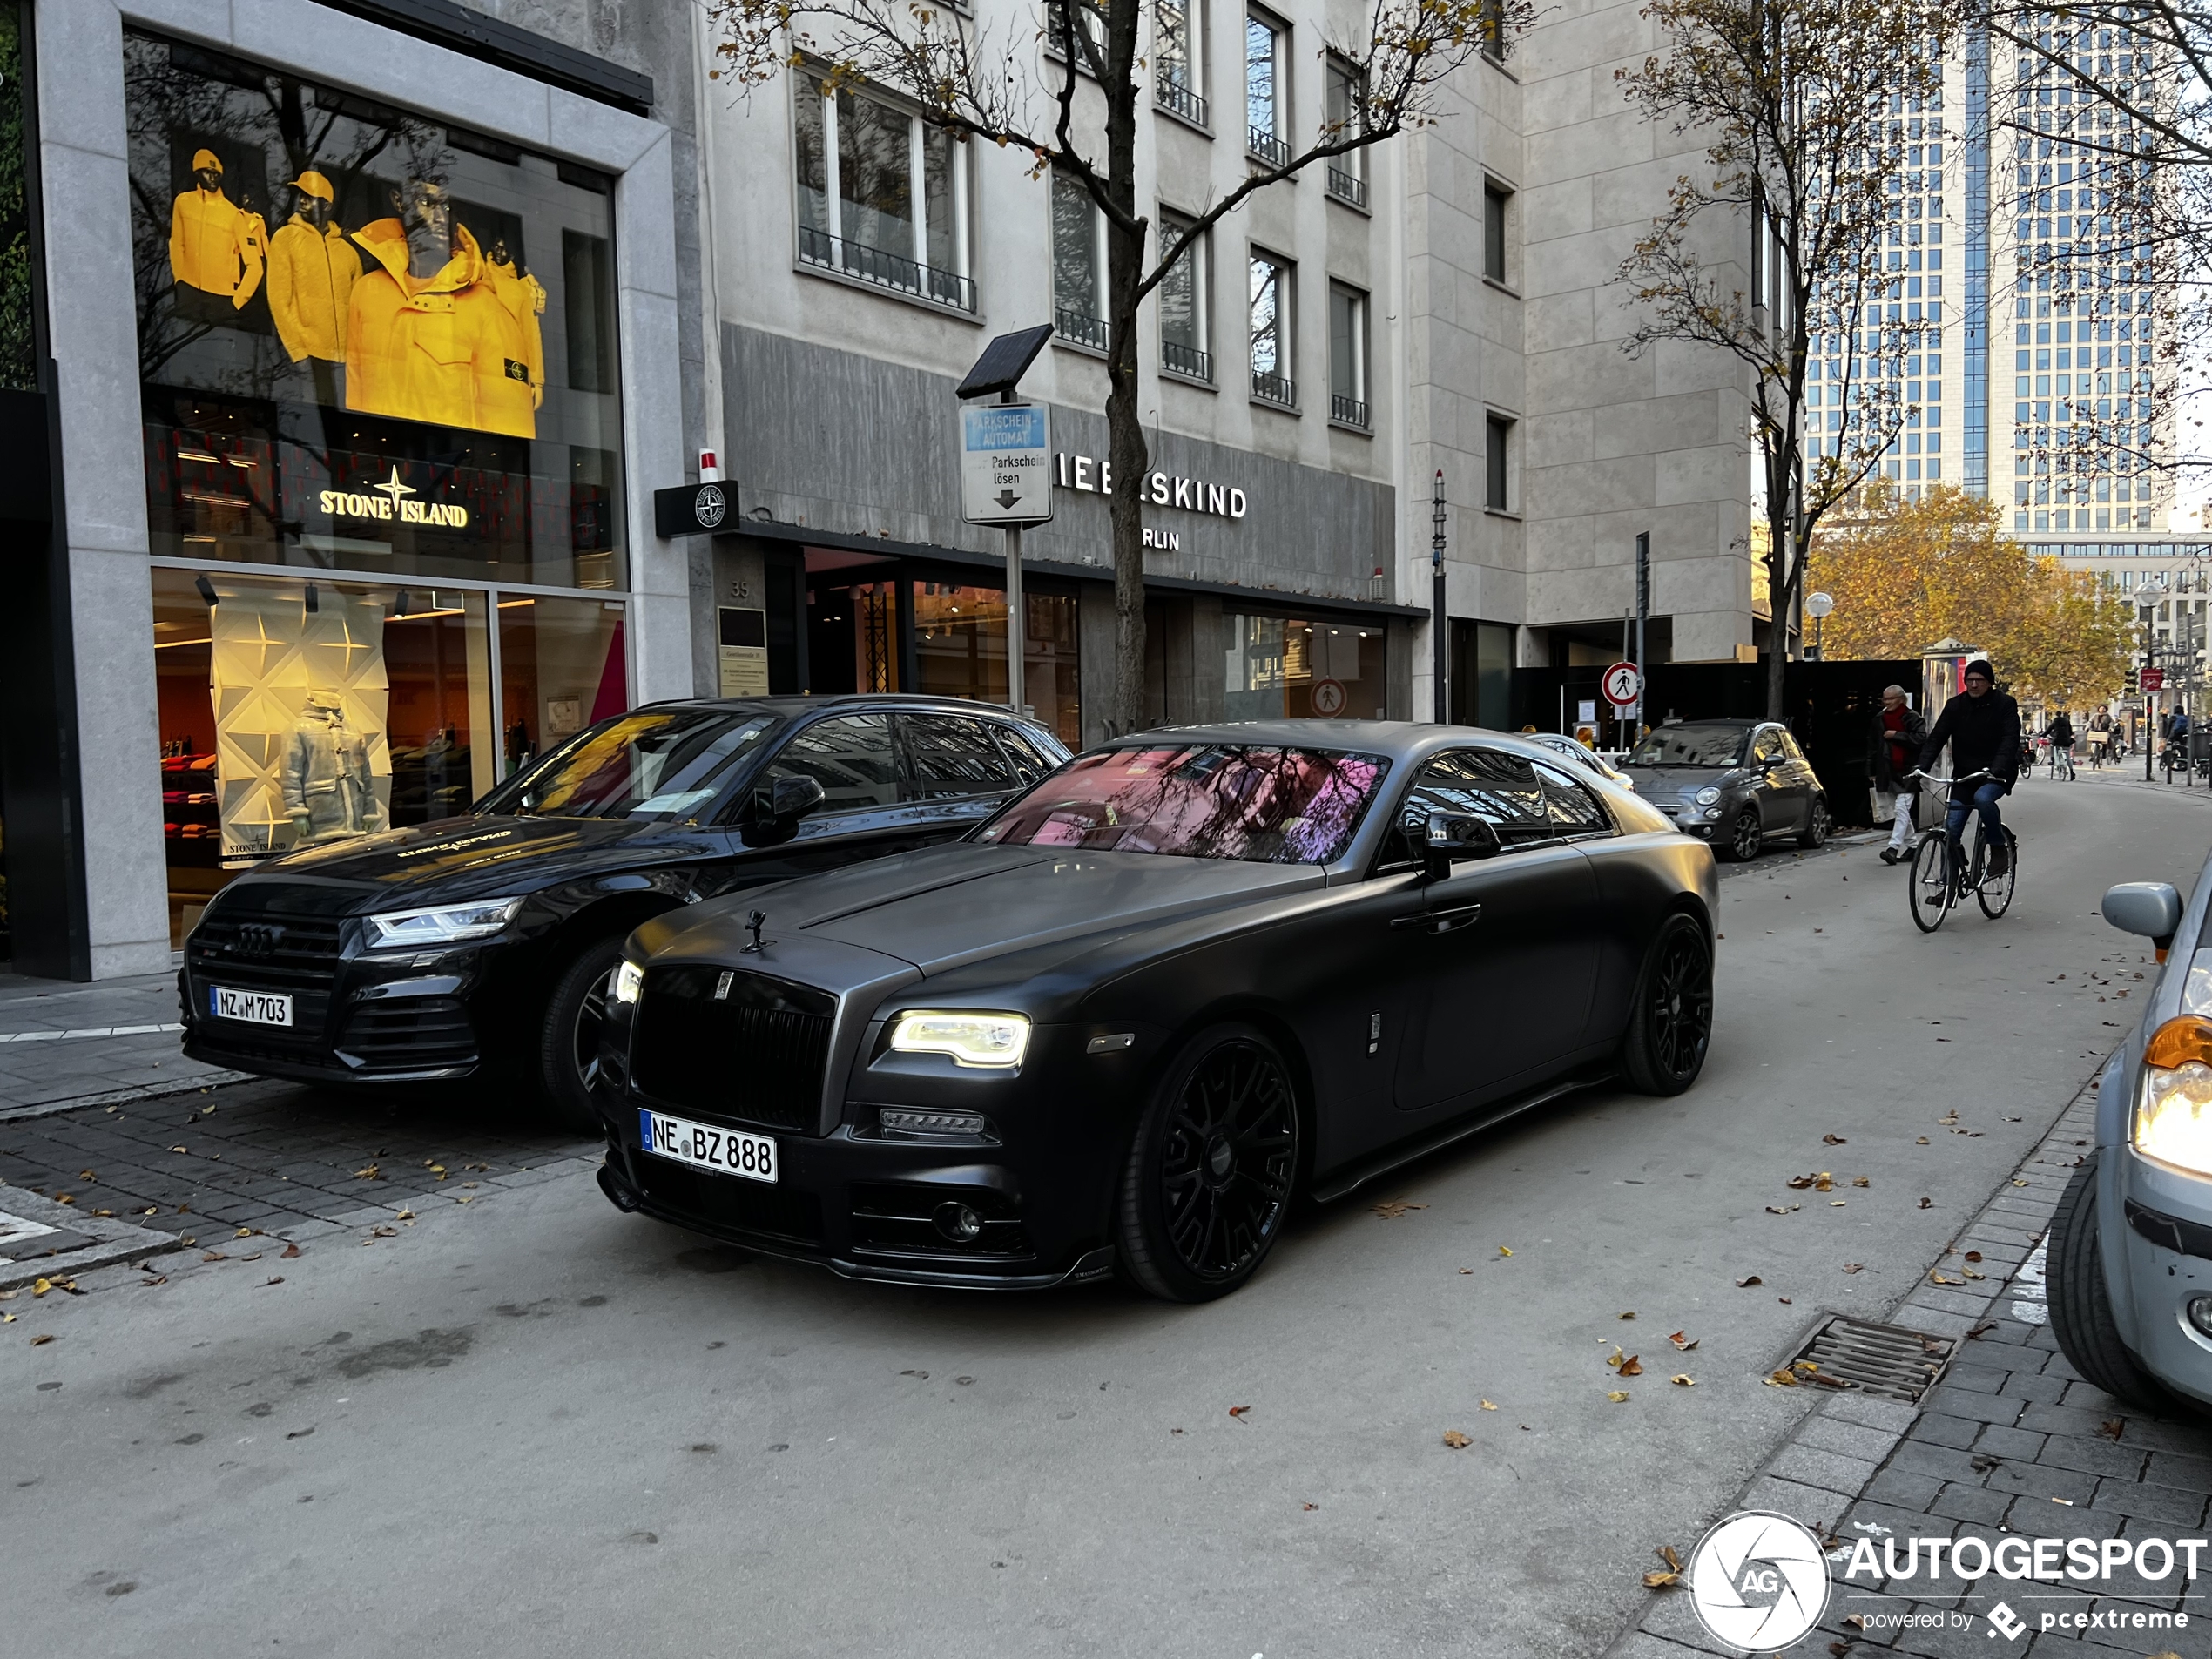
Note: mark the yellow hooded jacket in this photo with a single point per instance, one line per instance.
(216, 245)
(311, 284)
(525, 297)
(442, 350)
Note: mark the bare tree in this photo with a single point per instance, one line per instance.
(1071, 111)
(1795, 99)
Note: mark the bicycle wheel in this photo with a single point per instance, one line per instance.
(1994, 894)
(1931, 891)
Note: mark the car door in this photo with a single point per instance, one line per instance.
(863, 815)
(1807, 777)
(1497, 958)
(954, 775)
(1781, 793)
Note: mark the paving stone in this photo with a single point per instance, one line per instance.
(1948, 1463)
(2099, 1457)
(2162, 1503)
(2178, 1469)
(2043, 1389)
(1827, 1433)
(2040, 1480)
(1830, 1471)
(1814, 1505)
(1960, 1501)
(1983, 1408)
(1871, 1411)
(1642, 1644)
(1944, 1430)
(1906, 1491)
(1997, 1441)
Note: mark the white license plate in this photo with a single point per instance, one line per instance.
(726, 1151)
(255, 1008)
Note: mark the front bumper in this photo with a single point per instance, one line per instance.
(2166, 1261)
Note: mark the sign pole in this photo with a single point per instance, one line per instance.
(1643, 615)
(1016, 646)
(1439, 624)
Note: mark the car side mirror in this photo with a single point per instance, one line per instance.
(1771, 763)
(2151, 908)
(777, 808)
(1451, 837)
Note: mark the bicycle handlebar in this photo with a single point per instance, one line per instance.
(1951, 783)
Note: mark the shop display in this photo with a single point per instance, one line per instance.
(323, 774)
(313, 266)
(216, 246)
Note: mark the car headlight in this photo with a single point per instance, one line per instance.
(445, 924)
(2174, 1113)
(630, 980)
(1707, 795)
(995, 1041)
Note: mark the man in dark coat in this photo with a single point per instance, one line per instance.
(1983, 728)
(1893, 748)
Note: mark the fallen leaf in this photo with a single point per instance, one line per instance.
(1683, 1341)
(1940, 1279)
(1970, 1273)
(1860, 1181)
(1784, 1300)
(1488, 1407)
(1746, 1283)
(1618, 1396)
(41, 1341)
(279, 1280)
(42, 1286)
(404, 1215)
(1466, 1270)
(371, 1173)
(1238, 1410)
(1666, 1553)
(1799, 1182)
(86, 1175)
(1981, 1330)
(1833, 1140)
(64, 1197)
(289, 1252)
(1826, 1184)
(1681, 1380)
(1453, 1439)
(176, 1149)
(162, 1278)
(1777, 1210)
(1973, 1255)
(1502, 1250)
(1781, 1379)
(1923, 1141)
(1631, 1314)
(2018, 1182)
(1662, 1581)
(2113, 1427)
(466, 1197)
(1854, 1267)
(214, 1256)
(1391, 1209)
(247, 1233)
(1632, 1367)
(7, 1319)
(1927, 1203)
(109, 1213)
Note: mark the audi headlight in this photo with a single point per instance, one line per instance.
(992, 1041)
(1707, 795)
(630, 980)
(2174, 1114)
(445, 924)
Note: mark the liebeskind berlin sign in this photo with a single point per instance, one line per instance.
(1160, 489)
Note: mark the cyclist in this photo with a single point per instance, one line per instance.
(1983, 728)
(2061, 733)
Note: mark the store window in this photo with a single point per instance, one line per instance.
(1276, 666)
(367, 341)
(960, 650)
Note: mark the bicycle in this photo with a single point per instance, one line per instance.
(2062, 763)
(1942, 877)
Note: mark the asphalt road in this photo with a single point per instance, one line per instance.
(536, 1427)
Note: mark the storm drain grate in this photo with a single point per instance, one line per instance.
(1884, 1360)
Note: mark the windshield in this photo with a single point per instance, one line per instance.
(656, 763)
(1211, 800)
(1691, 745)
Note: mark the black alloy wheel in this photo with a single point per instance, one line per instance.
(567, 1056)
(1745, 840)
(1670, 1026)
(1815, 833)
(2082, 1302)
(1210, 1175)
(1994, 893)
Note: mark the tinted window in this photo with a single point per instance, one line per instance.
(1485, 784)
(1575, 809)
(1263, 805)
(653, 764)
(1691, 745)
(1789, 744)
(1769, 742)
(1030, 761)
(850, 756)
(951, 756)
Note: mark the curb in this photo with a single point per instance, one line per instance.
(113, 1242)
(211, 1079)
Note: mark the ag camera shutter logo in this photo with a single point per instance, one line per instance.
(1759, 1581)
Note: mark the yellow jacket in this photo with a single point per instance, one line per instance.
(216, 245)
(443, 349)
(524, 298)
(311, 282)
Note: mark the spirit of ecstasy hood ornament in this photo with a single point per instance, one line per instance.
(755, 921)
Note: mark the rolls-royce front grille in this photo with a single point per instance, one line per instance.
(733, 1045)
(409, 1034)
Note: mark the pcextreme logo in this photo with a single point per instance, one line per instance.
(1759, 1581)
(395, 500)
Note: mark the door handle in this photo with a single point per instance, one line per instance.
(1440, 921)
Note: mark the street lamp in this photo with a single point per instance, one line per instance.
(1818, 605)
(2146, 598)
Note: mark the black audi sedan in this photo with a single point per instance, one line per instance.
(482, 945)
(1119, 1025)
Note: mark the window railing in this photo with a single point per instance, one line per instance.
(1347, 411)
(1083, 329)
(1267, 146)
(1187, 360)
(1171, 93)
(1278, 389)
(1347, 187)
(891, 271)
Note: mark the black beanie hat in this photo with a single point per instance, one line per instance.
(1980, 665)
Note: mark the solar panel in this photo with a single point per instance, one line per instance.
(1004, 362)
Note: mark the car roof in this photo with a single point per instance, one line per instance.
(1400, 740)
(795, 707)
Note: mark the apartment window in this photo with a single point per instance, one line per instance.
(1078, 264)
(1347, 101)
(1089, 20)
(1186, 300)
(882, 196)
(1348, 356)
(1497, 494)
(1178, 55)
(1271, 331)
(1267, 102)
(1494, 200)
(1493, 30)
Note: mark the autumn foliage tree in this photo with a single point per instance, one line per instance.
(1904, 574)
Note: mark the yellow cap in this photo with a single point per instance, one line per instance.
(203, 160)
(315, 185)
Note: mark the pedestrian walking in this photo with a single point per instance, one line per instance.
(1893, 745)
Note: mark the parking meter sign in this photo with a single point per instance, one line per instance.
(1005, 471)
(1622, 684)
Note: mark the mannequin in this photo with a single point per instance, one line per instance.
(427, 337)
(312, 268)
(216, 248)
(525, 297)
(323, 773)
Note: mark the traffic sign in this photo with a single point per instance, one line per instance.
(2154, 680)
(1329, 697)
(1005, 464)
(1622, 684)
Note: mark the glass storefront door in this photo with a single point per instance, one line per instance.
(1278, 666)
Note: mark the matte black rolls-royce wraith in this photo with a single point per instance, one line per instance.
(484, 944)
(1121, 1023)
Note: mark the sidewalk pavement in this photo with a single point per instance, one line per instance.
(65, 1044)
(2010, 1440)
